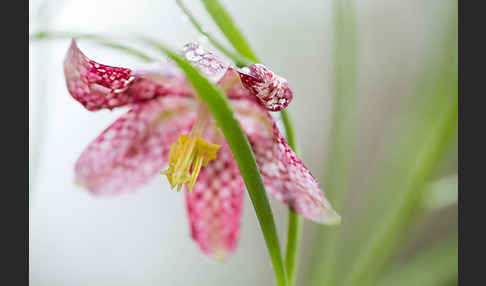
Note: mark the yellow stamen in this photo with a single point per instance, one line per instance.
(189, 153)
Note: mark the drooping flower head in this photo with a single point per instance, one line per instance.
(169, 130)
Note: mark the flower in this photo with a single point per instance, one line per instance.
(168, 126)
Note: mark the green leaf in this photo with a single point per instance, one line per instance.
(293, 246)
(239, 59)
(98, 39)
(225, 22)
(294, 228)
(217, 103)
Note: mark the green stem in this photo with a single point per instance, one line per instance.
(225, 22)
(217, 103)
(294, 226)
(293, 246)
(289, 130)
(99, 39)
(236, 57)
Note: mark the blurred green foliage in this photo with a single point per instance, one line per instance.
(411, 182)
(402, 189)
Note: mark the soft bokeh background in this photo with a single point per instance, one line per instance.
(142, 238)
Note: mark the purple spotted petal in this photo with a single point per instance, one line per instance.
(209, 64)
(272, 90)
(284, 174)
(98, 86)
(136, 146)
(215, 206)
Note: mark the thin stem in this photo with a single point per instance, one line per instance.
(289, 130)
(217, 103)
(225, 22)
(236, 57)
(294, 225)
(99, 39)
(293, 246)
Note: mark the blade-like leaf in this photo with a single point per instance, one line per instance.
(225, 22)
(239, 60)
(98, 39)
(217, 103)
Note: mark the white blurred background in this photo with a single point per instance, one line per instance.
(143, 238)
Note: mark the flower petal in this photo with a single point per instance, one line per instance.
(284, 174)
(136, 146)
(272, 90)
(215, 205)
(209, 64)
(98, 86)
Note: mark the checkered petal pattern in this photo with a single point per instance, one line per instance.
(272, 90)
(136, 146)
(215, 205)
(256, 80)
(284, 174)
(208, 63)
(98, 86)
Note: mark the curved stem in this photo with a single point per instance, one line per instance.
(294, 226)
(293, 246)
(289, 130)
(236, 57)
(99, 39)
(225, 22)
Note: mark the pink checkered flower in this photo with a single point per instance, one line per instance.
(167, 126)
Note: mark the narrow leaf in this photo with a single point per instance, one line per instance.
(225, 22)
(98, 39)
(217, 103)
(239, 60)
